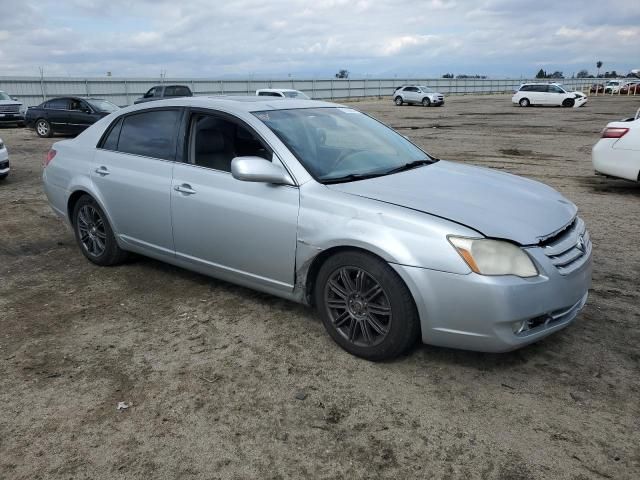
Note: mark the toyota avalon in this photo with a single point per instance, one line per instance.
(324, 205)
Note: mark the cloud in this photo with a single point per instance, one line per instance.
(200, 38)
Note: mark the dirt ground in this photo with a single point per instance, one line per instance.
(223, 382)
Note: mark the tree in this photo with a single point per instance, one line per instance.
(447, 75)
(582, 74)
(598, 66)
(556, 74)
(342, 74)
(541, 74)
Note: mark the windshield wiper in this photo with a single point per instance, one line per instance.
(411, 165)
(352, 177)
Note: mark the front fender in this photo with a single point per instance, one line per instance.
(330, 219)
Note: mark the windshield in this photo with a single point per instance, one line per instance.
(333, 143)
(103, 105)
(613, 82)
(427, 90)
(296, 94)
(4, 96)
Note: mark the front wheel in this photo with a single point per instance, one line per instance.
(43, 128)
(398, 101)
(94, 234)
(568, 102)
(365, 306)
(524, 102)
(426, 102)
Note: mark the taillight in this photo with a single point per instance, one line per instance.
(614, 132)
(50, 155)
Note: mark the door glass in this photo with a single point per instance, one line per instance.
(58, 104)
(215, 141)
(111, 140)
(151, 134)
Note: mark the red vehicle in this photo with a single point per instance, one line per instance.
(597, 88)
(630, 89)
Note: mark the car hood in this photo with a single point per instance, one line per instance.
(9, 102)
(496, 204)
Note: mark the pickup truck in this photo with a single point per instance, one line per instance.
(161, 92)
(11, 110)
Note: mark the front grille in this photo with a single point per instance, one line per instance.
(9, 108)
(569, 249)
(4, 164)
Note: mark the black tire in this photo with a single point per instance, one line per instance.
(568, 102)
(365, 332)
(43, 128)
(398, 101)
(426, 102)
(111, 253)
(524, 102)
(21, 124)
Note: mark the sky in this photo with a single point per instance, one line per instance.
(281, 38)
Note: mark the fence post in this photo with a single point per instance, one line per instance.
(126, 91)
(221, 87)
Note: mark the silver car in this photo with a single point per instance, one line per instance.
(418, 94)
(322, 204)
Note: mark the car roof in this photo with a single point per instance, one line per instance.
(277, 90)
(238, 103)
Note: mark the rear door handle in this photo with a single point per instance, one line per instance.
(102, 171)
(184, 188)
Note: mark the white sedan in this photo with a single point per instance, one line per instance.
(4, 161)
(617, 153)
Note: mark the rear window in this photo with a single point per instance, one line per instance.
(150, 134)
(269, 94)
(177, 91)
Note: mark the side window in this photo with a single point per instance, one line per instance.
(554, 89)
(269, 94)
(151, 92)
(541, 88)
(151, 134)
(177, 91)
(110, 142)
(525, 88)
(215, 141)
(58, 104)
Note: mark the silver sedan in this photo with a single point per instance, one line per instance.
(322, 204)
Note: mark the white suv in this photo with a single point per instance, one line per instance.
(413, 94)
(547, 94)
(282, 93)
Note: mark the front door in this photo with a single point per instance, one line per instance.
(80, 116)
(240, 231)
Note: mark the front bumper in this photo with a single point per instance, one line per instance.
(477, 312)
(11, 117)
(579, 102)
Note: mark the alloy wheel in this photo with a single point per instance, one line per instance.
(91, 230)
(358, 306)
(42, 128)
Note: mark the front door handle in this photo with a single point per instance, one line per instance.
(102, 171)
(184, 188)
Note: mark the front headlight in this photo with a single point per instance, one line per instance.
(494, 257)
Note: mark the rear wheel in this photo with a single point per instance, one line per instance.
(568, 102)
(43, 128)
(426, 102)
(365, 306)
(94, 234)
(524, 102)
(398, 100)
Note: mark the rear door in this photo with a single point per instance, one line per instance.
(57, 114)
(240, 231)
(132, 172)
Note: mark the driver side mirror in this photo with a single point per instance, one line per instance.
(257, 169)
(15, 99)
